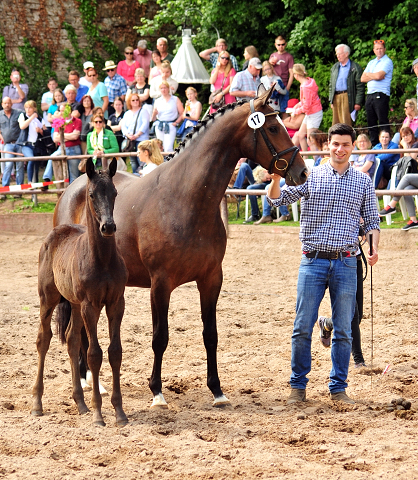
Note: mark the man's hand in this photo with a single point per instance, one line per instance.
(357, 107)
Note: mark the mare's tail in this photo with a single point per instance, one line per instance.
(62, 317)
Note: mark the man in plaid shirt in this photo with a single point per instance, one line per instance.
(115, 84)
(333, 199)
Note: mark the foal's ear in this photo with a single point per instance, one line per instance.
(260, 90)
(90, 168)
(113, 167)
(264, 95)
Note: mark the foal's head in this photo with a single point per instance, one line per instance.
(101, 194)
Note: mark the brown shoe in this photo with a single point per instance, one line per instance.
(282, 218)
(296, 395)
(264, 219)
(342, 397)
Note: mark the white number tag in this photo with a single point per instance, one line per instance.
(256, 120)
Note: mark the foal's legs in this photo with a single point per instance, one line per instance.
(209, 288)
(73, 336)
(160, 299)
(90, 316)
(49, 299)
(114, 314)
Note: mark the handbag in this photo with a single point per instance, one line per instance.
(127, 144)
(221, 103)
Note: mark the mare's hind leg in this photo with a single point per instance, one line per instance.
(114, 314)
(49, 299)
(209, 289)
(94, 358)
(160, 298)
(73, 336)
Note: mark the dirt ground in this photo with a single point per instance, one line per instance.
(257, 436)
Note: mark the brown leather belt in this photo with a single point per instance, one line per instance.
(327, 255)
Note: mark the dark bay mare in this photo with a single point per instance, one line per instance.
(81, 269)
(170, 230)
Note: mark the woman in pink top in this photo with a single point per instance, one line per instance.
(126, 68)
(309, 104)
(223, 70)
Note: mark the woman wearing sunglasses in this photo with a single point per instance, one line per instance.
(98, 91)
(126, 68)
(101, 141)
(221, 77)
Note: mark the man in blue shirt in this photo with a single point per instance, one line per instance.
(346, 90)
(115, 84)
(245, 84)
(74, 80)
(333, 199)
(378, 76)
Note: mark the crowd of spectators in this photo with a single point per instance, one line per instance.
(140, 89)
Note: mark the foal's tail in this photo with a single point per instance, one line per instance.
(62, 317)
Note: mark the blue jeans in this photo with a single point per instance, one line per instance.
(267, 208)
(72, 163)
(244, 171)
(8, 166)
(33, 166)
(49, 171)
(315, 275)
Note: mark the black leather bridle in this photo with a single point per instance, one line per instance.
(283, 171)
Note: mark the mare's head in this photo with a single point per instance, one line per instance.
(101, 194)
(267, 141)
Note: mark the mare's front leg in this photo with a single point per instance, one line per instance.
(115, 314)
(49, 299)
(160, 299)
(90, 316)
(209, 289)
(73, 336)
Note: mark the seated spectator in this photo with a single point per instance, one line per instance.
(316, 139)
(115, 119)
(310, 105)
(86, 80)
(31, 127)
(221, 77)
(142, 88)
(387, 160)
(408, 140)
(149, 155)
(16, 91)
(278, 101)
(162, 47)
(126, 68)
(293, 123)
(98, 91)
(411, 119)
(366, 162)
(167, 109)
(101, 141)
(249, 53)
(156, 69)
(135, 124)
(74, 79)
(211, 54)
(46, 102)
(115, 84)
(143, 56)
(164, 77)
(191, 113)
(245, 84)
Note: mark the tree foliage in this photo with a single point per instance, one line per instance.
(313, 29)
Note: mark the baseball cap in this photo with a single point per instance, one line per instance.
(87, 65)
(255, 62)
(413, 64)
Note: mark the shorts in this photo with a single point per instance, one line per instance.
(314, 120)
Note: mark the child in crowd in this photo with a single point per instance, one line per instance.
(278, 100)
(316, 139)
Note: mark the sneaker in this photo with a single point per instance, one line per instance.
(360, 365)
(342, 397)
(387, 211)
(325, 329)
(410, 225)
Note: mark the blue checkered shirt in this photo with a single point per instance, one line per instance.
(243, 82)
(331, 206)
(116, 87)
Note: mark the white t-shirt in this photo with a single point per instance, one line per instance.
(149, 168)
(47, 98)
(35, 123)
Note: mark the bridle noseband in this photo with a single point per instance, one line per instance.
(283, 171)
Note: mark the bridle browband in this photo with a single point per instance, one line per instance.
(275, 156)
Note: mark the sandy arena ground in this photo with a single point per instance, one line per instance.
(257, 436)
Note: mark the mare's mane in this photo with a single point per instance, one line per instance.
(202, 123)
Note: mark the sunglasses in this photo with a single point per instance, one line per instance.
(91, 76)
(135, 100)
(129, 53)
(111, 69)
(380, 42)
(98, 121)
(224, 58)
(280, 44)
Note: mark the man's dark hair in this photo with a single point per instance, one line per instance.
(342, 129)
